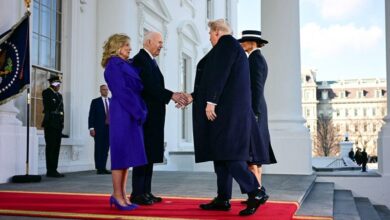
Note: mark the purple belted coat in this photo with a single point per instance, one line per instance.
(127, 114)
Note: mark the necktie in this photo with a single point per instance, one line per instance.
(155, 63)
(107, 121)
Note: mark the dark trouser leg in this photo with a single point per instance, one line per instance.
(52, 151)
(101, 149)
(224, 180)
(244, 177)
(139, 180)
(148, 178)
(364, 167)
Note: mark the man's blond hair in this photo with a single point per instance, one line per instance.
(220, 25)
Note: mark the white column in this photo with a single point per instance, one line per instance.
(290, 139)
(12, 133)
(384, 135)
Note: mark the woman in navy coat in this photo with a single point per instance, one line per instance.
(127, 115)
(261, 152)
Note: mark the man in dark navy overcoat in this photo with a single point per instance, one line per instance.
(222, 118)
(156, 97)
(98, 125)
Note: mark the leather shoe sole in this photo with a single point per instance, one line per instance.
(141, 200)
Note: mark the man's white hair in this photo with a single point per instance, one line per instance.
(149, 35)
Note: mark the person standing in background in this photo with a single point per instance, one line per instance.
(53, 123)
(98, 124)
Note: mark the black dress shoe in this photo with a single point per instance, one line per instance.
(264, 198)
(55, 174)
(253, 203)
(153, 198)
(141, 200)
(101, 172)
(216, 204)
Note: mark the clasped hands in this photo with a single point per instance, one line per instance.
(182, 99)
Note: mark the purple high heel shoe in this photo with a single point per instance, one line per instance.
(115, 202)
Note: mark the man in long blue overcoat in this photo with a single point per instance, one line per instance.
(222, 118)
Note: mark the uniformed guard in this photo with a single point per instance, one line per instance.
(53, 123)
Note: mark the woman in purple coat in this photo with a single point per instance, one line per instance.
(127, 114)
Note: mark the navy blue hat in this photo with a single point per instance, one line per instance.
(252, 35)
(54, 78)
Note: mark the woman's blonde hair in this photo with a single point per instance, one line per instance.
(112, 45)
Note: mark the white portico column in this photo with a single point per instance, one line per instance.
(290, 139)
(384, 135)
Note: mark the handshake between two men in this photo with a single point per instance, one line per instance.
(183, 99)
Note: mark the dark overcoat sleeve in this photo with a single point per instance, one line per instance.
(257, 69)
(223, 58)
(151, 79)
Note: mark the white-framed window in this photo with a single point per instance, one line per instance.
(355, 112)
(45, 52)
(186, 81)
(346, 112)
(210, 9)
(373, 111)
(364, 112)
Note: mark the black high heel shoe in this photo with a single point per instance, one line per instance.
(115, 202)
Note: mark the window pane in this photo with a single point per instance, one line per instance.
(44, 51)
(46, 2)
(34, 49)
(35, 16)
(45, 21)
(53, 23)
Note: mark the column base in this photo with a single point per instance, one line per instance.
(291, 143)
(13, 152)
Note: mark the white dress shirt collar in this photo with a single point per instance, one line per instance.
(151, 56)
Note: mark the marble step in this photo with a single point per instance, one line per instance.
(366, 209)
(383, 212)
(344, 206)
(319, 201)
